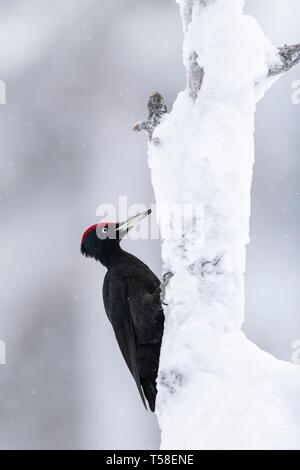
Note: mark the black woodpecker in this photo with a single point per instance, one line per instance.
(131, 295)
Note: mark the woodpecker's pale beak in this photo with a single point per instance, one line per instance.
(124, 227)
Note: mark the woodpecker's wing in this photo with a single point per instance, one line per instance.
(127, 344)
(124, 330)
(147, 317)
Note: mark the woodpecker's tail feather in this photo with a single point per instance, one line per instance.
(150, 391)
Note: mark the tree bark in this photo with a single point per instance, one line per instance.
(214, 384)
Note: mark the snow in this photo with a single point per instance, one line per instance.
(217, 390)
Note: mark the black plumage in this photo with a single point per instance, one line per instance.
(131, 295)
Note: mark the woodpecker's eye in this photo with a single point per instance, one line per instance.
(104, 230)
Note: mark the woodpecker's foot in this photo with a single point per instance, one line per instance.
(165, 281)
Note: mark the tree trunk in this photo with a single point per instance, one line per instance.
(217, 390)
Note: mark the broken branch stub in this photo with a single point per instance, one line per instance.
(156, 109)
(290, 56)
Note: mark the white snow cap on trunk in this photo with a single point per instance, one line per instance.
(216, 388)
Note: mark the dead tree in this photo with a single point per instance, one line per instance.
(216, 388)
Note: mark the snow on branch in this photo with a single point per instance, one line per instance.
(195, 73)
(289, 56)
(157, 109)
(187, 7)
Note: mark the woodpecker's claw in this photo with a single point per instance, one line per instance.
(165, 281)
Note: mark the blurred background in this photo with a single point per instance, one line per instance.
(78, 73)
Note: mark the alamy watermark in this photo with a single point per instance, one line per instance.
(176, 221)
(2, 353)
(2, 92)
(296, 354)
(296, 92)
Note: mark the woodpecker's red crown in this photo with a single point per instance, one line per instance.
(94, 227)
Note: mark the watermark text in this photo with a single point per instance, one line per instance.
(296, 92)
(296, 354)
(2, 92)
(2, 353)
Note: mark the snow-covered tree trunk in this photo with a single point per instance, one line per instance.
(216, 388)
